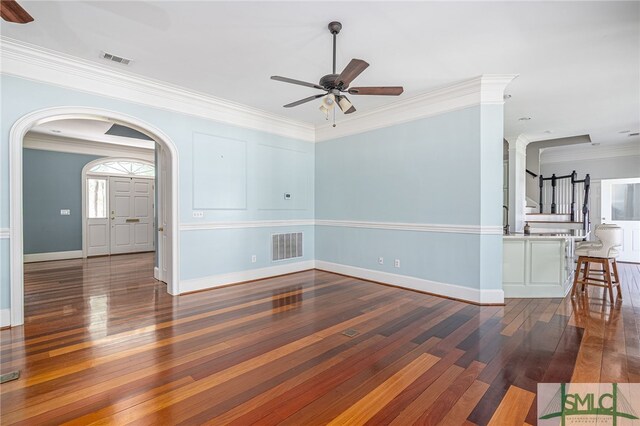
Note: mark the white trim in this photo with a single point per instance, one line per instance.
(393, 226)
(5, 233)
(16, 137)
(583, 152)
(81, 146)
(5, 317)
(156, 273)
(199, 226)
(486, 90)
(241, 276)
(441, 289)
(53, 255)
(37, 63)
(418, 227)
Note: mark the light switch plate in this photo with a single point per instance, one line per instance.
(197, 213)
(65, 212)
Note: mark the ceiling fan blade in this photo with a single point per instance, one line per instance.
(298, 82)
(11, 11)
(384, 91)
(302, 101)
(346, 107)
(350, 72)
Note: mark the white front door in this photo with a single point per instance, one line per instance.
(620, 205)
(131, 214)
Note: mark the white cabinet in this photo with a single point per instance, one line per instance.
(537, 266)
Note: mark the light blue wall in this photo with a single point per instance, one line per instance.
(20, 97)
(425, 171)
(437, 170)
(52, 181)
(4, 274)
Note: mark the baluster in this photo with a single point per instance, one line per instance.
(541, 198)
(553, 193)
(573, 195)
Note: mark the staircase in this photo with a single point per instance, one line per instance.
(563, 205)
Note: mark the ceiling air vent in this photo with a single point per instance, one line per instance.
(114, 58)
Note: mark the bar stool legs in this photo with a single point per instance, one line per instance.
(588, 276)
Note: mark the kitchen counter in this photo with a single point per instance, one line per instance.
(576, 235)
(538, 265)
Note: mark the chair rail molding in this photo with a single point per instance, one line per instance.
(33, 62)
(393, 226)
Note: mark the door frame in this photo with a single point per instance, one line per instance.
(16, 138)
(608, 183)
(86, 173)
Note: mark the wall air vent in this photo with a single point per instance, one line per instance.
(286, 246)
(114, 58)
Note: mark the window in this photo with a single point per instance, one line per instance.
(124, 168)
(625, 201)
(97, 198)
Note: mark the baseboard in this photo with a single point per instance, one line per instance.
(5, 317)
(453, 291)
(214, 281)
(55, 255)
(156, 273)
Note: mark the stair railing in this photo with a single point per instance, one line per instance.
(564, 194)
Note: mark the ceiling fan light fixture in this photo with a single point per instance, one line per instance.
(324, 110)
(329, 101)
(344, 104)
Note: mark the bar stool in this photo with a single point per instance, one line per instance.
(603, 252)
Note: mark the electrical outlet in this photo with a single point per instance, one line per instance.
(197, 213)
(65, 212)
(381, 260)
(254, 258)
(396, 263)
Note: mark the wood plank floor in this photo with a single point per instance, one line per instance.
(104, 343)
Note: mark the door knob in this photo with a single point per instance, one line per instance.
(160, 229)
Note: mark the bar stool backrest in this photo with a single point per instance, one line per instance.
(610, 236)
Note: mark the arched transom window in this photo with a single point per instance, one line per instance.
(123, 167)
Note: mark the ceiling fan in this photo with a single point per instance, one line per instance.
(11, 11)
(336, 84)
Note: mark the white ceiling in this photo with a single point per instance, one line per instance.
(579, 62)
(91, 130)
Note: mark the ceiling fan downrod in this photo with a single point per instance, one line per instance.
(334, 28)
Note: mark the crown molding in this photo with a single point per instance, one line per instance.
(583, 152)
(81, 146)
(36, 63)
(486, 89)
(40, 64)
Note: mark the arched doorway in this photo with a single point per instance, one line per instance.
(167, 169)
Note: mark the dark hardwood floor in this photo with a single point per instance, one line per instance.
(104, 343)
